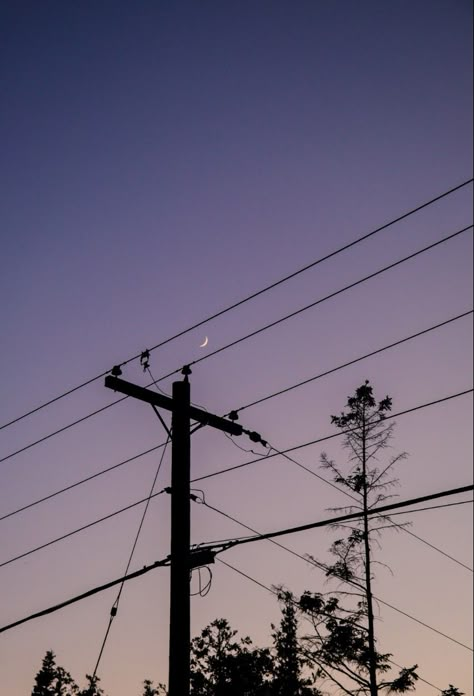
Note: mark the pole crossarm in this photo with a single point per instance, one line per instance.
(166, 402)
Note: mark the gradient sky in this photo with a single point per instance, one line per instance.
(161, 160)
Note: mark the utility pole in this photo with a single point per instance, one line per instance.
(182, 560)
(180, 572)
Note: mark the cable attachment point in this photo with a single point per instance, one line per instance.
(201, 557)
(255, 437)
(116, 371)
(186, 371)
(233, 416)
(168, 490)
(145, 360)
(113, 611)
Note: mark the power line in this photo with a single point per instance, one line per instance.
(321, 565)
(84, 595)
(146, 569)
(223, 471)
(79, 529)
(84, 480)
(324, 439)
(275, 593)
(354, 361)
(246, 337)
(115, 606)
(346, 493)
(435, 507)
(356, 515)
(310, 560)
(350, 516)
(246, 299)
(324, 299)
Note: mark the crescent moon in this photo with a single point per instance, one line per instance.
(204, 344)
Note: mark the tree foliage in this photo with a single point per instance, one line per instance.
(222, 665)
(288, 660)
(52, 680)
(150, 690)
(340, 653)
(343, 645)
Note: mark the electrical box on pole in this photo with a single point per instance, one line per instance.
(182, 561)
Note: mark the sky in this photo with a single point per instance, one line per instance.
(160, 162)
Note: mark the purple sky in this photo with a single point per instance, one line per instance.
(159, 162)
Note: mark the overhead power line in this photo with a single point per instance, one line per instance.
(351, 516)
(311, 305)
(323, 567)
(245, 338)
(84, 480)
(246, 299)
(115, 606)
(275, 593)
(277, 453)
(354, 361)
(223, 471)
(238, 466)
(260, 537)
(309, 559)
(79, 529)
(84, 595)
(401, 527)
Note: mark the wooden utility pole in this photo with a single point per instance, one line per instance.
(180, 619)
(182, 561)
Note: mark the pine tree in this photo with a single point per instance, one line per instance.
(224, 666)
(53, 680)
(288, 662)
(344, 645)
(92, 687)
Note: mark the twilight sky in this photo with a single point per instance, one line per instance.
(160, 161)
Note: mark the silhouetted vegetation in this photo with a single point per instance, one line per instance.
(340, 653)
(343, 645)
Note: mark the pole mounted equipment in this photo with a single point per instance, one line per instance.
(182, 558)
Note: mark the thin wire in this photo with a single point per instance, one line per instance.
(319, 565)
(76, 531)
(126, 461)
(247, 336)
(353, 515)
(322, 523)
(353, 362)
(324, 439)
(89, 593)
(401, 527)
(84, 480)
(248, 298)
(436, 507)
(224, 471)
(324, 299)
(275, 593)
(115, 605)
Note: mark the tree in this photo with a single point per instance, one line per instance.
(150, 690)
(92, 687)
(452, 691)
(288, 662)
(223, 666)
(344, 646)
(52, 680)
